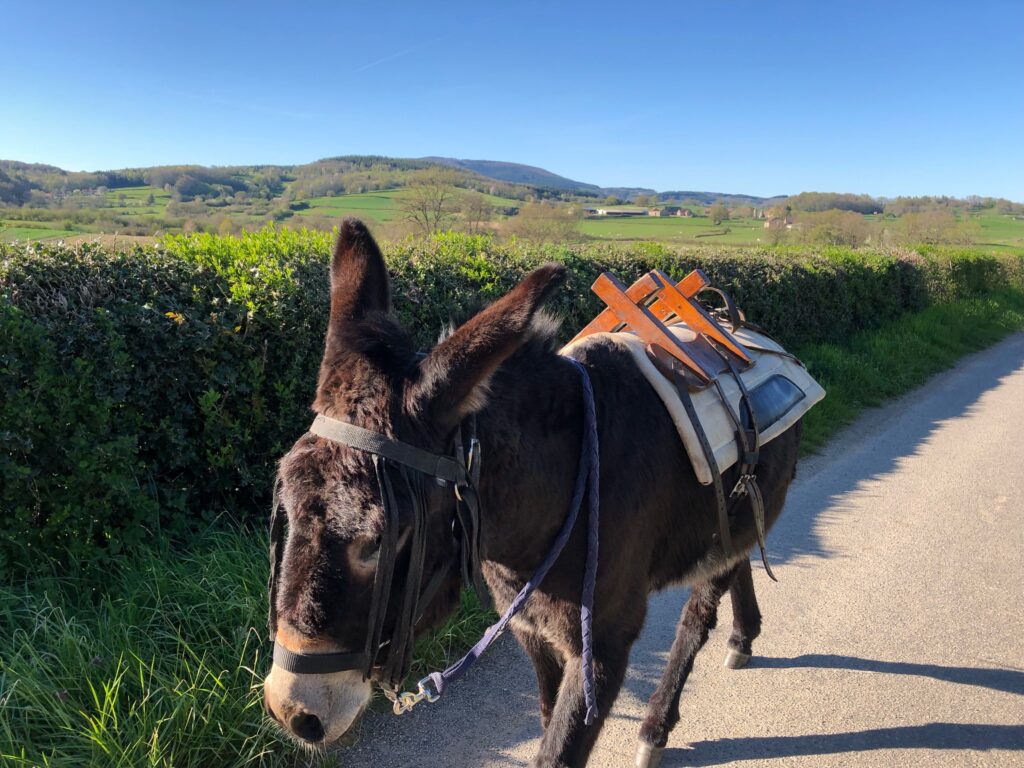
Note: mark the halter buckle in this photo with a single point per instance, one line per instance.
(404, 702)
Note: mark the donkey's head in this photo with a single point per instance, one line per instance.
(372, 377)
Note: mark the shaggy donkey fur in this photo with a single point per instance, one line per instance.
(658, 524)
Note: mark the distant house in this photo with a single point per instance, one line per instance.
(686, 213)
(621, 213)
(779, 222)
(668, 210)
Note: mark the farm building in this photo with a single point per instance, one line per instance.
(668, 210)
(779, 222)
(621, 212)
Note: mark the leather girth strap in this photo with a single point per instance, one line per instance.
(748, 439)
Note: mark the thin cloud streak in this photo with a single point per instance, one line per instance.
(399, 54)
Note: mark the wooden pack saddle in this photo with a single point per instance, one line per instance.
(655, 301)
(695, 362)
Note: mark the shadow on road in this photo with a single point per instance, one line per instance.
(929, 736)
(1006, 680)
(879, 451)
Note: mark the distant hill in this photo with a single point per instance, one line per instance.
(515, 173)
(710, 198)
(36, 183)
(529, 175)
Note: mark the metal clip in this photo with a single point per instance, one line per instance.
(404, 702)
(740, 489)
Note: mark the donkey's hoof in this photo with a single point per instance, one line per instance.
(648, 756)
(735, 659)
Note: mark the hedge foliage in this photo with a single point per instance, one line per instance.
(149, 391)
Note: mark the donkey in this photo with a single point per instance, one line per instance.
(658, 525)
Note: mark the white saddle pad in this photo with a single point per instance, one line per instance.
(715, 420)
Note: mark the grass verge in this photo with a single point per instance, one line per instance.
(162, 665)
(880, 364)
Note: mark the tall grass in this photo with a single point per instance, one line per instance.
(160, 667)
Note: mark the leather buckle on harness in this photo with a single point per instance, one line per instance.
(740, 489)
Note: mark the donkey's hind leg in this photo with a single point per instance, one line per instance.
(698, 619)
(746, 617)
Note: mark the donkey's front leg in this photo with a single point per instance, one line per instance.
(746, 617)
(698, 619)
(567, 740)
(549, 669)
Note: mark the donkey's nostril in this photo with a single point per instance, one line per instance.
(307, 727)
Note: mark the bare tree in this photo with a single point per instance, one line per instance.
(545, 222)
(833, 227)
(430, 202)
(718, 213)
(476, 211)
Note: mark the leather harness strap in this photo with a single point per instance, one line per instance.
(414, 466)
(748, 440)
(435, 464)
(666, 364)
(748, 445)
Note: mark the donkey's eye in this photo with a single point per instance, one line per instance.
(370, 549)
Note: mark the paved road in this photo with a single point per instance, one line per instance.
(895, 635)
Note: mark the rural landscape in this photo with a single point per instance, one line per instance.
(410, 197)
(184, 287)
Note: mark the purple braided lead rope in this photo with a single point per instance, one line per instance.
(587, 481)
(591, 445)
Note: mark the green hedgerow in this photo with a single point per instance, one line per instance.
(148, 390)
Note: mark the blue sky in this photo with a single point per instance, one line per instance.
(764, 98)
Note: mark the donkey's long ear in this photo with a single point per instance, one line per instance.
(359, 280)
(453, 377)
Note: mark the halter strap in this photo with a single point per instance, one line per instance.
(413, 463)
(437, 465)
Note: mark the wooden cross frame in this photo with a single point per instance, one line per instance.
(644, 308)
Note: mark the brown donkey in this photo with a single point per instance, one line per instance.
(657, 525)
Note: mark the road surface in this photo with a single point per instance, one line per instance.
(895, 635)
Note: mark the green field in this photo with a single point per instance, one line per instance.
(382, 206)
(32, 233)
(134, 203)
(379, 206)
(130, 211)
(675, 229)
(1000, 229)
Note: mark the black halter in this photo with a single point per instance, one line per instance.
(415, 465)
